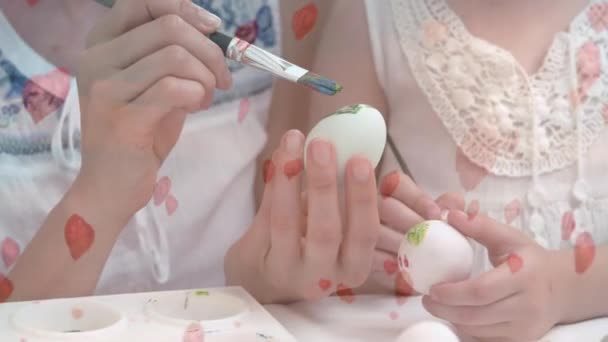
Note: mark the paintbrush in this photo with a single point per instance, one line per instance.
(245, 53)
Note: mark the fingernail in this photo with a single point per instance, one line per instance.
(209, 19)
(206, 18)
(321, 152)
(292, 142)
(361, 171)
(268, 171)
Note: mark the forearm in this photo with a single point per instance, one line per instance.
(60, 263)
(586, 292)
(290, 103)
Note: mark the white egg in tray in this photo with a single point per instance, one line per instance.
(204, 315)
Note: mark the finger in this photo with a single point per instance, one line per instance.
(126, 15)
(398, 216)
(498, 238)
(494, 332)
(163, 97)
(403, 188)
(170, 130)
(489, 287)
(285, 214)
(259, 234)
(268, 174)
(324, 226)
(171, 61)
(381, 281)
(363, 222)
(500, 312)
(389, 240)
(451, 201)
(166, 31)
(304, 201)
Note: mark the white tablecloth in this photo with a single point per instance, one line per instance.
(381, 318)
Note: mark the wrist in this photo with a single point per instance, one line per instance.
(84, 200)
(244, 272)
(566, 287)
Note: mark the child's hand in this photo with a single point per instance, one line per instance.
(404, 204)
(301, 247)
(519, 300)
(148, 63)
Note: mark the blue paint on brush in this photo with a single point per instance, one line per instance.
(320, 84)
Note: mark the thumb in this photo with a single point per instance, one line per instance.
(498, 238)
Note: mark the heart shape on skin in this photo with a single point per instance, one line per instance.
(6, 288)
(393, 316)
(584, 252)
(390, 266)
(161, 190)
(32, 2)
(324, 284)
(244, 107)
(171, 204)
(515, 263)
(79, 236)
(346, 294)
(304, 20)
(10, 251)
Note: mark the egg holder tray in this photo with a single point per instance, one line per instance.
(225, 314)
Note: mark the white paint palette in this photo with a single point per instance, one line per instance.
(224, 314)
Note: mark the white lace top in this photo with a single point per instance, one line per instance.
(467, 117)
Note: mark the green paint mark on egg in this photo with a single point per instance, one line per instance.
(201, 293)
(416, 235)
(353, 109)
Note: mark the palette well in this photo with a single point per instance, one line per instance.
(199, 315)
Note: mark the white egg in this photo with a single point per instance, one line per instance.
(427, 331)
(354, 130)
(434, 252)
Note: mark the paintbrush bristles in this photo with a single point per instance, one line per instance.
(320, 84)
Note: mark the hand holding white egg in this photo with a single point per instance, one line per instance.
(433, 252)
